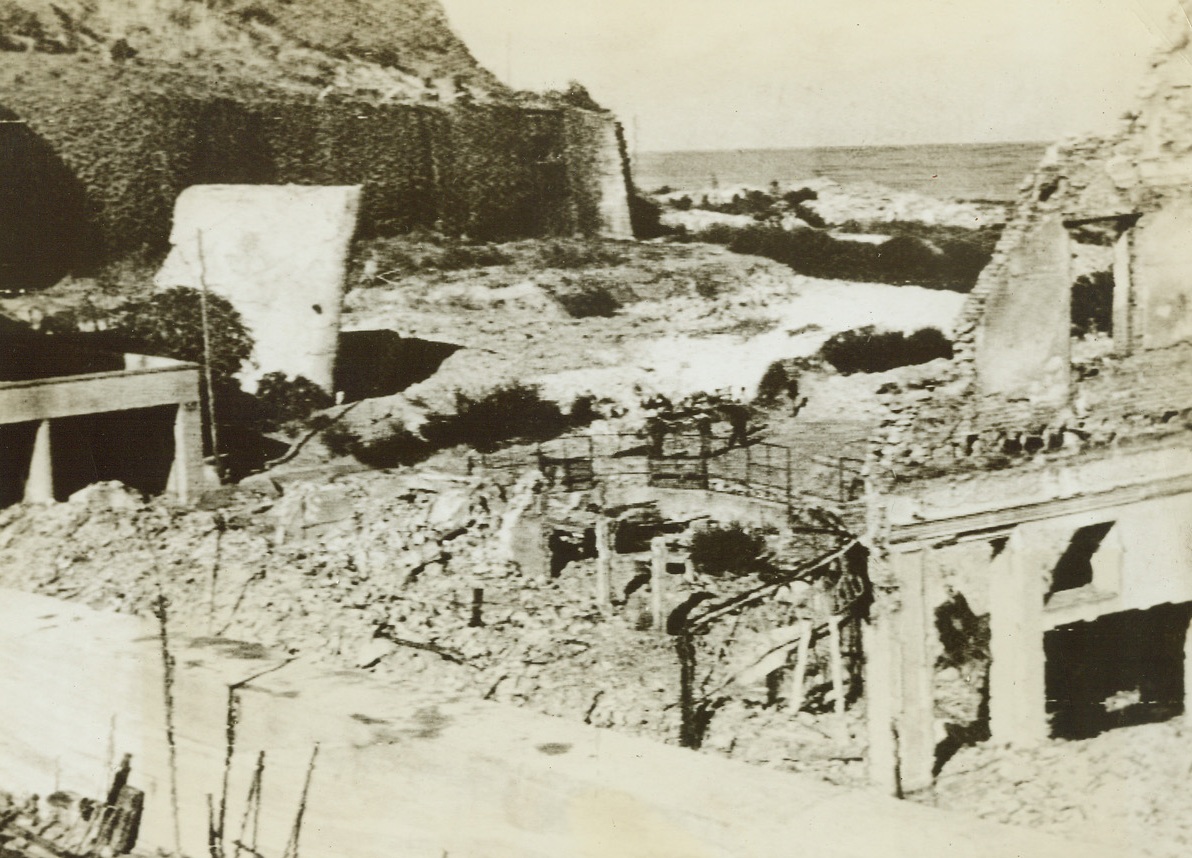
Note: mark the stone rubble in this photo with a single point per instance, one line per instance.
(380, 571)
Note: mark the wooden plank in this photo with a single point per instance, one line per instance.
(657, 579)
(96, 393)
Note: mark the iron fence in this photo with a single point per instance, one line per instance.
(761, 470)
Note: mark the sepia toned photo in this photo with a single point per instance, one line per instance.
(527, 428)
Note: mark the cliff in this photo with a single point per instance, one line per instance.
(383, 50)
(113, 107)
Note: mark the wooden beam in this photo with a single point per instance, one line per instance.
(796, 688)
(657, 582)
(603, 561)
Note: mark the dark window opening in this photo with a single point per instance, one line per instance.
(1075, 566)
(1094, 246)
(566, 547)
(1092, 304)
(1119, 670)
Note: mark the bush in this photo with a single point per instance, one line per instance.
(809, 216)
(589, 300)
(730, 549)
(577, 254)
(584, 410)
(170, 324)
(286, 400)
(514, 411)
(717, 233)
(936, 258)
(797, 197)
(457, 257)
(398, 446)
(869, 350)
(707, 285)
(645, 217)
(774, 383)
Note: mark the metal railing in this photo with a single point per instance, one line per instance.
(688, 460)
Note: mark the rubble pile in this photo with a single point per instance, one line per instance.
(1128, 400)
(408, 575)
(65, 824)
(1119, 786)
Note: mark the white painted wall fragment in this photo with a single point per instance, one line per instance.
(278, 253)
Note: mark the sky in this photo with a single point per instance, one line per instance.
(742, 74)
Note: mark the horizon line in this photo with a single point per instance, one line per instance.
(847, 146)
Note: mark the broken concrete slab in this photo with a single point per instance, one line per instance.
(278, 253)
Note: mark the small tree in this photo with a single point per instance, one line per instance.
(170, 324)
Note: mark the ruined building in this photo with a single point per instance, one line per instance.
(1047, 485)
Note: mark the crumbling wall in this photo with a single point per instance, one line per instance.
(1162, 274)
(596, 163)
(1014, 390)
(1023, 344)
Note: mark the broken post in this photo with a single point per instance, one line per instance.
(798, 680)
(1188, 675)
(603, 560)
(916, 719)
(1017, 686)
(657, 574)
(39, 485)
(186, 473)
(899, 673)
(477, 618)
(836, 666)
(207, 375)
(837, 663)
(688, 729)
(879, 641)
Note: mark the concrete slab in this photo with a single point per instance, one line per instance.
(278, 253)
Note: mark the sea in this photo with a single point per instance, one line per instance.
(966, 171)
